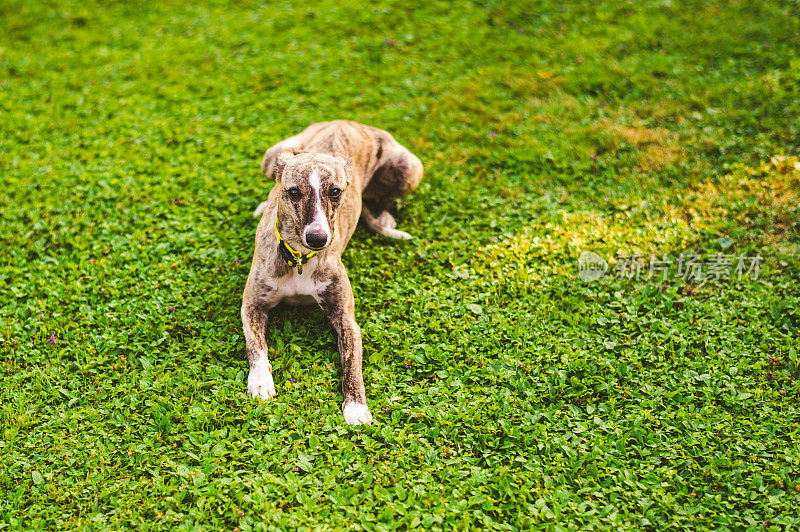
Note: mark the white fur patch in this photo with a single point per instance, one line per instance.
(315, 182)
(259, 381)
(298, 288)
(320, 219)
(356, 414)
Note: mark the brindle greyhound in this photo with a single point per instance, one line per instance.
(322, 176)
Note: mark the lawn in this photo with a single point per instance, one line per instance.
(508, 392)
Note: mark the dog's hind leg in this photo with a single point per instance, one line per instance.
(383, 226)
(387, 220)
(398, 173)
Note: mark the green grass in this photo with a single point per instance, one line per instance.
(507, 393)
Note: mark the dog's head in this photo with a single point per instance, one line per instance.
(313, 186)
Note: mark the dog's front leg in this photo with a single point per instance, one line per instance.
(254, 324)
(336, 300)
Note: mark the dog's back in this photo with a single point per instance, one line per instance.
(339, 137)
(383, 169)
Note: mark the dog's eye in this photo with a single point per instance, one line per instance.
(335, 192)
(295, 193)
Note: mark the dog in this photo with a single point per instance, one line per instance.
(324, 177)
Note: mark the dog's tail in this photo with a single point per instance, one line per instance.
(260, 209)
(383, 224)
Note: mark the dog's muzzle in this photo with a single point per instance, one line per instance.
(315, 237)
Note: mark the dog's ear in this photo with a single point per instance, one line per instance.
(280, 163)
(273, 165)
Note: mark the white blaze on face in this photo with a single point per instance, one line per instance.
(319, 224)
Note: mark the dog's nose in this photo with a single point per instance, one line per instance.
(316, 239)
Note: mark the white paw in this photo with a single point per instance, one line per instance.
(356, 414)
(260, 384)
(387, 220)
(398, 234)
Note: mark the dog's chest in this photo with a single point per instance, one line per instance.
(296, 289)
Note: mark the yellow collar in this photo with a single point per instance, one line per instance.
(293, 257)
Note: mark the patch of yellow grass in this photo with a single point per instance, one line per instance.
(656, 148)
(552, 247)
(768, 195)
(644, 135)
(657, 157)
(744, 193)
(523, 262)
